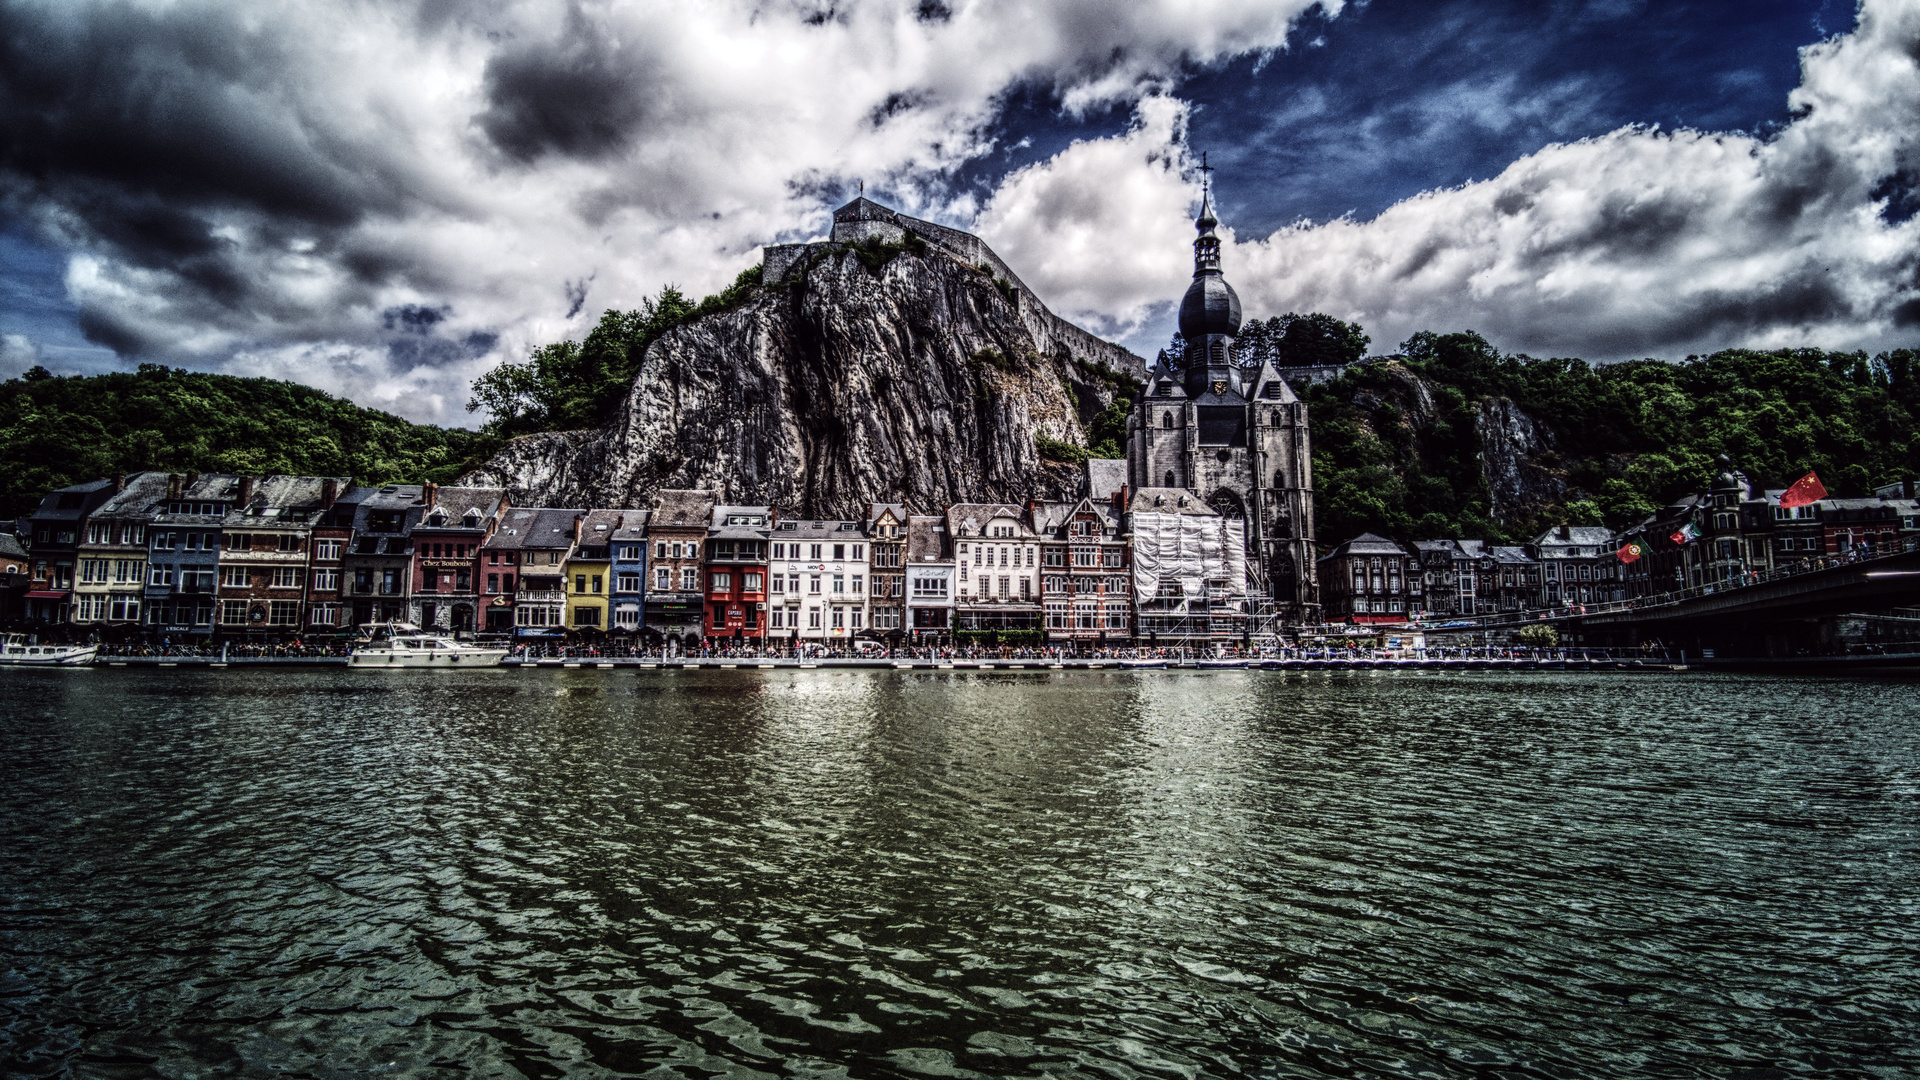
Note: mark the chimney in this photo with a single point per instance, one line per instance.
(119, 483)
(429, 493)
(173, 485)
(246, 491)
(188, 481)
(329, 493)
(1906, 488)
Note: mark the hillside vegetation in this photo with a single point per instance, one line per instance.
(1401, 447)
(56, 431)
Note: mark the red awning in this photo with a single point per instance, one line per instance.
(47, 594)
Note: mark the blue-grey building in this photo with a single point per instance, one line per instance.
(629, 597)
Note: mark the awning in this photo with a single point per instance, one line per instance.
(47, 594)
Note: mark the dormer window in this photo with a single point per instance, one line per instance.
(472, 520)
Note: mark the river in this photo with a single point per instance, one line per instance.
(864, 874)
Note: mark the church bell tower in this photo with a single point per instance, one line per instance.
(1230, 430)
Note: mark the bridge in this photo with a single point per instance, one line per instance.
(1779, 613)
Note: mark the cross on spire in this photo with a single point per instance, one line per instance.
(1206, 171)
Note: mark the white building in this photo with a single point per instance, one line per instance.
(817, 582)
(996, 567)
(929, 578)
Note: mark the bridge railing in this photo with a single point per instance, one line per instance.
(1672, 597)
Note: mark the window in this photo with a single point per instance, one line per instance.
(506, 582)
(813, 584)
(235, 577)
(839, 584)
(586, 616)
(626, 583)
(689, 579)
(660, 550)
(839, 618)
(857, 585)
(233, 612)
(859, 552)
(579, 583)
(286, 577)
(324, 550)
(124, 609)
(721, 582)
(289, 542)
(750, 582)
(839, 552)
(98, 532)
(159, 574)
(283, 612)
(390, 582)
(429, 614)
(326, 580)
(779, 583)
(596, 582)
(930, 588)
(493, 583)
(1026, 588)
(627, 617)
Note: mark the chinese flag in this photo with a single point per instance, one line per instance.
(1805, 490)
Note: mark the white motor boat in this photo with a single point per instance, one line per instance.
(401, 645)
(16, 652)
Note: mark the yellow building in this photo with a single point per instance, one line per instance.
(590, 572)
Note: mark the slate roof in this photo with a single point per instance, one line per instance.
(633, 525)
(139, 499)
(967, 519)
(1166, 500)
(51, 510)
(453, 503)
(1366, 544)
(683, 508)
(818, 529)
(1105, 477)
(926, 540)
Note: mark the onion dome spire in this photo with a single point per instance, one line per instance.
(1210, 306)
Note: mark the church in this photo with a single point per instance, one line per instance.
(1232, 433)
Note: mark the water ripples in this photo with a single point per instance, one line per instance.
(821, 874)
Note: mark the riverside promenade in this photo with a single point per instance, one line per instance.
(1310, 660)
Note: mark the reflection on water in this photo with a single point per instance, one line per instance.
(819, 873)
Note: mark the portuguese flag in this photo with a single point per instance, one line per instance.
(1685, 533)
(1805, 491)
(1632, 550)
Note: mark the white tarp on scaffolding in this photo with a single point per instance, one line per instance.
(1191, 550)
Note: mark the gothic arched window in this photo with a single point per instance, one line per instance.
(1166, 420)
(1169, 482)
(1227, 505)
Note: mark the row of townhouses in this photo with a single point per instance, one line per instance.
(186, 556)
(1727, 534)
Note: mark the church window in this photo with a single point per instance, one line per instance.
(1166, 420)
(1170, 482)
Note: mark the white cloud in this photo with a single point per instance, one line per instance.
(17, 355)
(274, 185)
(1636, 243)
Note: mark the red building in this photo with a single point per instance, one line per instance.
(736, 573)
(446, 554)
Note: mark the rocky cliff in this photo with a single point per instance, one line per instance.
(862, 374)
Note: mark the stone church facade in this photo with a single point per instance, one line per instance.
(1234, 435)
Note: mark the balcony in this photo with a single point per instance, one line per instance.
(541, 596)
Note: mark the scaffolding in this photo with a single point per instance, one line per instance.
(1190, 578)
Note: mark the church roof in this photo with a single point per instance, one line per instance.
(1210, 307)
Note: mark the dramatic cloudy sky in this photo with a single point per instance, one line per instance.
(383, 198)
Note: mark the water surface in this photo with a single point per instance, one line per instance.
(864, 874)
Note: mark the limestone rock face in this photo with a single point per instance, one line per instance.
(1512, 443)
(923, 381)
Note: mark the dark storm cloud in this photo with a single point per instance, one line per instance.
(581, 94)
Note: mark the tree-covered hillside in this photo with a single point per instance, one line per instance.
(1400, 446)
(56, 431)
